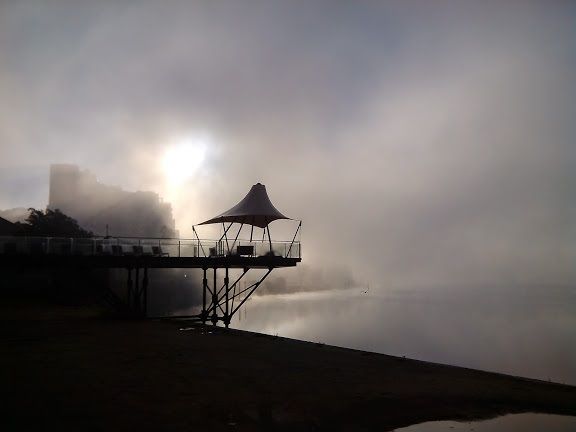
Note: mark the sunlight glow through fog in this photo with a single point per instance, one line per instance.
(183, 159)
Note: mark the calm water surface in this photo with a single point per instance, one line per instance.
(509, 423)
(533, 335)
(529, 332)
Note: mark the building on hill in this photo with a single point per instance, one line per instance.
(78, 194)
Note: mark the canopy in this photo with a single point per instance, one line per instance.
(255, 209)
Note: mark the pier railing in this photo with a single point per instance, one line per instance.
(165, 247)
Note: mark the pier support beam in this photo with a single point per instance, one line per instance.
(136, 302)
(214, 301)
(144, 303)
(129, 287)
(134, 307)
(226, 290)
(204, 314)
(223, 299)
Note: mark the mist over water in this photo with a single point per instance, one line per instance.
(532, 335)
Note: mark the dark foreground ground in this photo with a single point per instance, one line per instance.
(70, 369)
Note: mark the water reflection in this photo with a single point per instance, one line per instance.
(531, 335)
(509, 423)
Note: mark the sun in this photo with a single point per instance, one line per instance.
(183, 159)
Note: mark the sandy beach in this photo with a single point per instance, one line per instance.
(74, 369)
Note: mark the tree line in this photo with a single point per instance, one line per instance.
(50, 223)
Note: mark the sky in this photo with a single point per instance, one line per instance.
(421, 142)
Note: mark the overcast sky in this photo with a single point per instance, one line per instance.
(421, 142)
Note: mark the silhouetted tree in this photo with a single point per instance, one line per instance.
(51, 223)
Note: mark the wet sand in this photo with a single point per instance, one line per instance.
(72, 369)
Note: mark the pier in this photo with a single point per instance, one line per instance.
(222, 296)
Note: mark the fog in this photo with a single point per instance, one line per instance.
(423, 145)
(418, 143)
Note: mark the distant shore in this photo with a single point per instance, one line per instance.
(68, 368)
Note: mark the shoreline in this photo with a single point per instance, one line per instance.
(209, 327)
(74, 369)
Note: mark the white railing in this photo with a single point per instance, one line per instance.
(168, 247)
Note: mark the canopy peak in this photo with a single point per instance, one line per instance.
(254, 209)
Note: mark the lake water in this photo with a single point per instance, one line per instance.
(531, 335)
(527, 332)
(508, 423)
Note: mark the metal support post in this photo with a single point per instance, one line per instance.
(227, 288)
(145, 293)
(136, 299)
(214, 301)
(204, 315)
(129, 286)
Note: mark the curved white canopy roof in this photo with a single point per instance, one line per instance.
(255, 209)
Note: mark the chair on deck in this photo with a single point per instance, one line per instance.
(157, 251)
(126, 250)
(245, 250)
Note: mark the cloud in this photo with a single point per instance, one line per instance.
(420, 145)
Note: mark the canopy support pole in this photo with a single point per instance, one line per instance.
(268, 231)
(293, 240)
(236, 238)
(269, 240)
(224, 235)
(200, 247)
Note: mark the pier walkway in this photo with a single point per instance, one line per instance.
(138, 255)
(131, 252)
